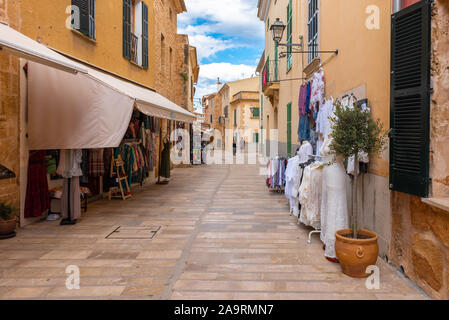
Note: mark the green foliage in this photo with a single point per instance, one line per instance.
(7, 212)
(355, 131)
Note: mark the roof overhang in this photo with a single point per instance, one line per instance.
(263, 7)
(180, 6)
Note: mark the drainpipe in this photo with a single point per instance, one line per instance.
(396, 5)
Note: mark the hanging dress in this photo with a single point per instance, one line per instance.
(334, 204)
(165, 161)
(37, 199)
(70, 168)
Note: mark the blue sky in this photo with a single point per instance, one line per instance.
(229, 39)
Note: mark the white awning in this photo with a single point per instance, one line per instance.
(87, 110)
(147, 101)
(74, 111)
(14, 42)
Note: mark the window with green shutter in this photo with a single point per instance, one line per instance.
(410, 99)
(144, 35)
(255, 112)
(289, 35)
(87, 17)
(235, 117)
(289, 129)
(127, 29)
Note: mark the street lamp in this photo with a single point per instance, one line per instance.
(277, 30)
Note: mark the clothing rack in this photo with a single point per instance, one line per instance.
(304, 165)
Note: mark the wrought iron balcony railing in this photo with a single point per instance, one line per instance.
(270, 73)
(134, 42)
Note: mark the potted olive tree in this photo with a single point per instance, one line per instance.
(355, 132)
(8, 221)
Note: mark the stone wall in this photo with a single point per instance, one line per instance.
(439, 132)
(420, 243)
(9, 108)
(420, 232)
(169, 81)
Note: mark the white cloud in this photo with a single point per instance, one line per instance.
(209, 73)
(235, 18)
(207, 46)
(215, 26)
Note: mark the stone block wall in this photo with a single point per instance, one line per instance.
(420, 243)
(169, 81)
(9, 109)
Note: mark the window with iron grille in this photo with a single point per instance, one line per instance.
(313, 28)
(135, 32)
(86, 18)
(289, 35)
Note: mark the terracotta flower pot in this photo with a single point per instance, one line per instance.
(7, 228)
(356, 255)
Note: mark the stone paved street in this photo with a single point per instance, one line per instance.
(222, 236)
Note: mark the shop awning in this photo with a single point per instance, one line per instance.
(14, 42)
(87, 110)
(147, 101)
(74, 111)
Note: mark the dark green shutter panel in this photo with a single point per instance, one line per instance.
(127, 29)
(144, 35)
(92, 19)
(83, 6)
(410, 100)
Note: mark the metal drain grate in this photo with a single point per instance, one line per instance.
(134, 233)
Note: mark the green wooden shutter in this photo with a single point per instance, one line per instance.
(289, 129)
(276, 61)
(92, 19)
(256, 112)
(289, 35)
(144, 35)
(127, 29)
(83, 6)
(235, 117)
(410, 99)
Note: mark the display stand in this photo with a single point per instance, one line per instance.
(68, 221)
(118, 165)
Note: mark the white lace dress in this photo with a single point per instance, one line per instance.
(334, 203)
(310, 194)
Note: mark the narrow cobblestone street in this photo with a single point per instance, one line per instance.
(222, 236)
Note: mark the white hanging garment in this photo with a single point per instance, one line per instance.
(304, 152)
(334, 204)
(310, 196)
(70, 163)
(290, 173)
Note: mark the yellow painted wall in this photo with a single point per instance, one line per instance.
(46, 20)
(363, 59)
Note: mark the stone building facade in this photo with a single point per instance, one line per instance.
(9, 109)
(420, 227)
(169, 50)
(102, 50)
(413, 231)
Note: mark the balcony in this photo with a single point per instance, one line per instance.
(270, 78)
(134, 43)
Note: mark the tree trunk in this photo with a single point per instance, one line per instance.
(355, 226)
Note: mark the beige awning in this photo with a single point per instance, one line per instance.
(87, 110)
(14, 42)
(147, 101)
(74, 111)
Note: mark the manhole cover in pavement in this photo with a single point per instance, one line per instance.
(134, 233)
